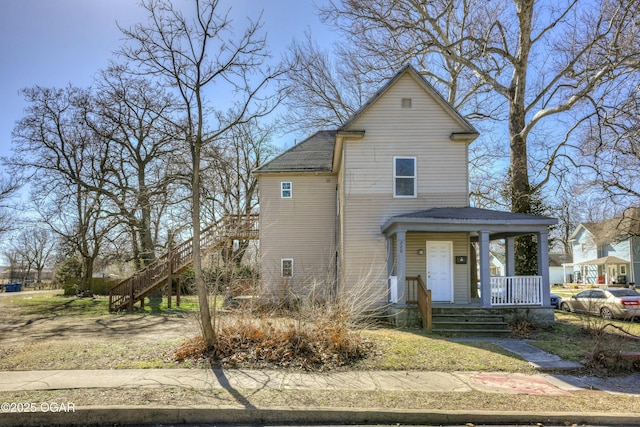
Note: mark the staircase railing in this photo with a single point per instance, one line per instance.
(127, 292)
(425, 305)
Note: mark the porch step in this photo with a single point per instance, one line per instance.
(470, 324)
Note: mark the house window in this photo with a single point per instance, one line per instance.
(623, 269)
(286, 190)
(404, 177)
(287, 267)
(406, 102)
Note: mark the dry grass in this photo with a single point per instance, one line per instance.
(578, 402)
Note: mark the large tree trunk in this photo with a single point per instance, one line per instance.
(520, 188)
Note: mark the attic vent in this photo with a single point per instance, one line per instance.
(406, 102)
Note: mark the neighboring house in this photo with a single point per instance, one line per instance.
(496, 264)
(607, 252)
(368, 207)
(560, 269)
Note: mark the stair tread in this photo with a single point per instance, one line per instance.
(478, 331)
(434, 321)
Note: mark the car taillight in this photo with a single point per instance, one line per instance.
(630, 302)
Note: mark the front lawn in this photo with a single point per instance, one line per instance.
(50, 331)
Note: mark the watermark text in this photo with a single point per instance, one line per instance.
(18, 407)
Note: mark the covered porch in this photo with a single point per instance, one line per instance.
(608, 270)
(455, 263)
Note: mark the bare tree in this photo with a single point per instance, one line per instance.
(246, 147)
(324, 95)
(133, 116)
(199, 57)
(36, 246)
(66, 160)
(9, 186)
(611, 145)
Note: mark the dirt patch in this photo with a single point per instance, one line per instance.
(50, 326)
(51, 338)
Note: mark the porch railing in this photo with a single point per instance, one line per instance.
(516, 290)
(424, 305)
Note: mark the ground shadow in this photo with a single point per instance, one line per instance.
(221, 376)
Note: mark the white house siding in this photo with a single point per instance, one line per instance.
(301, 228)
(620, 249)
(422, 131)
(584, 247)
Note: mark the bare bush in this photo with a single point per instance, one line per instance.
(313, 330)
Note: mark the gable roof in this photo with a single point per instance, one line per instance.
(314, 154)
(469, 130)
(613, 230)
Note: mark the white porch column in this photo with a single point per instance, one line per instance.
(389, 256)
(510, 254)
(485, 270)
(401, 265)
(543, 266)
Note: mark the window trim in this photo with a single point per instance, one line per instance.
(414, 177)
(282, 190)
(282, 261)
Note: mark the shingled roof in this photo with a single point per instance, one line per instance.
(314, 154)
(475, 214)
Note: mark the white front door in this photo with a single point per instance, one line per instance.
(612, 273)
(440, 270)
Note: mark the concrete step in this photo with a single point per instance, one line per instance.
(479, 323)
(498, 333)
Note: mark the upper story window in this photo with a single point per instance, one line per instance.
(406, 102)
(286, 190)
(404, 177)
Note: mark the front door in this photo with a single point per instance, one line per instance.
(612, 273)
(440, 271)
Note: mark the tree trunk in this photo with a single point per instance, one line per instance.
(520, 189)
(203, 299)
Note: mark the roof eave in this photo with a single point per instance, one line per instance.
(341, 135)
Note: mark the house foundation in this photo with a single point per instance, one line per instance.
(408, 316)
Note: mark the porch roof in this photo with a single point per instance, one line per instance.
(611, 259)
(500, 224)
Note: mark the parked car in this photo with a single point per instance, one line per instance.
(555, 301)
(609, 303)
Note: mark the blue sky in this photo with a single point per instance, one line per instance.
(52, 43)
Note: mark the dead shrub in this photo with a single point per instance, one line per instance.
(608, 356)
(313, 331)
(194, 348)
(523, 328)
(611, 362)
(264, 345)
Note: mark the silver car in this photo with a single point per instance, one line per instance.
(609, 303)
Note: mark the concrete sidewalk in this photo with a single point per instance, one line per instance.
(278, 380)
(542, 384)
(245, 380)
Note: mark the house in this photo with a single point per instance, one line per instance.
(496, 264)
(560, 269)
(607, 252)
(369, 207)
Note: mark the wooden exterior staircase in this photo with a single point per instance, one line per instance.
(125, 294)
